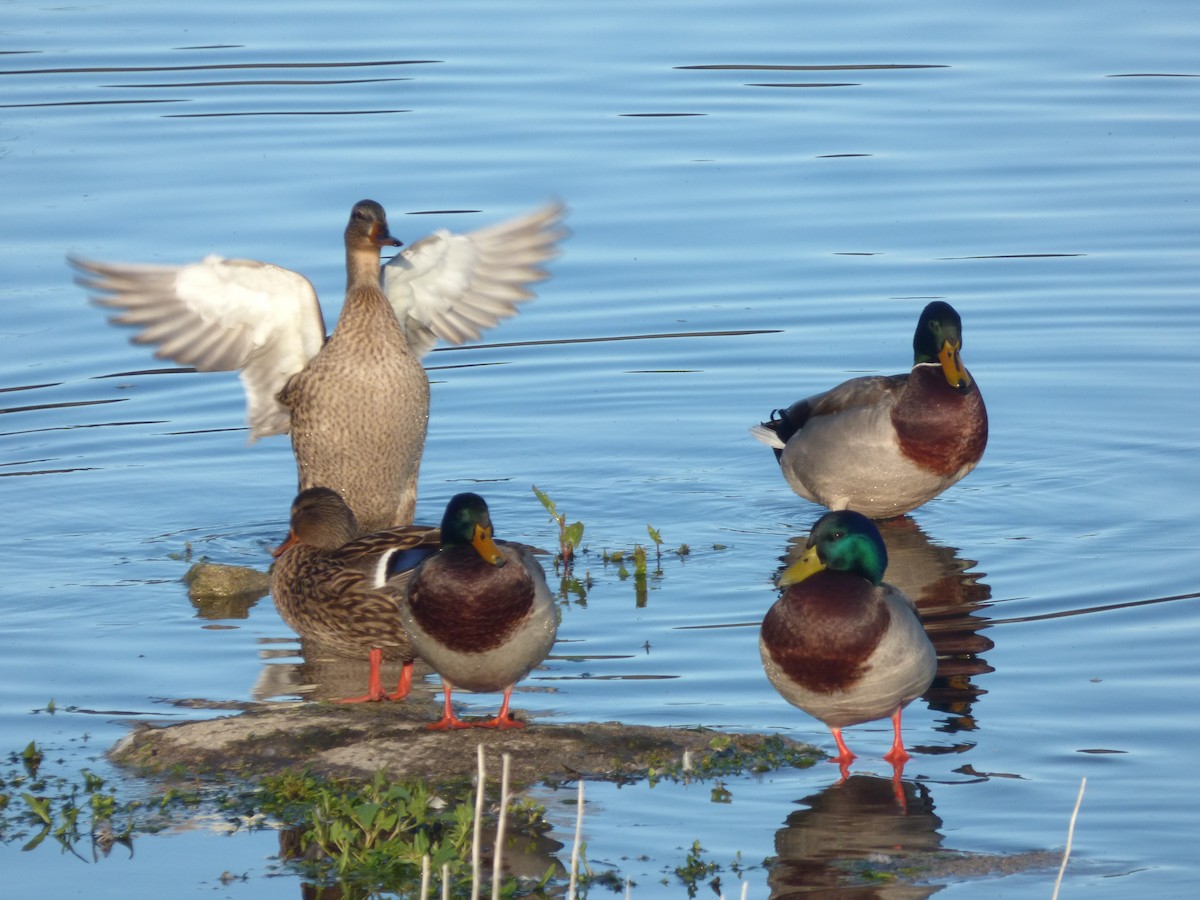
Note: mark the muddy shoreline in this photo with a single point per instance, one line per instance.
(355, 741)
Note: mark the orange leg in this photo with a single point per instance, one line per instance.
(503, 719)
(898, 787)
(844, 757)
(374, 683)
(405, 684)
(897, 755)
(448, 719)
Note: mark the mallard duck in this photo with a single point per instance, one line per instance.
(356, 405)
(342, 591)
(884, 445)
(840, 643)
(479, 611)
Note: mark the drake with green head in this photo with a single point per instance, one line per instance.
(479, 611)
(884, 445)
(343, 592)
(842, 644)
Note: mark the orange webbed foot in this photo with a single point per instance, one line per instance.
(447, 723)
(504, 721)
(374, 692)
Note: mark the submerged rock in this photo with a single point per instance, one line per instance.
(225, 592)
(357, 741)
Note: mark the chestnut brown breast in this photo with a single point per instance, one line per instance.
(825, 629)
(467, 604)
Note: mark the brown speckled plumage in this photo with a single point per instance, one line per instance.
(329, 585)
(360, 408)
(356, 404)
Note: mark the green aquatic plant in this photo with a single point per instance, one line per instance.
(376, 837)
(569, 536)
(32, 758)
(696, 869)
(728, 758)
(36, 804)
(657, 538)
(639, 562)
(638, 558)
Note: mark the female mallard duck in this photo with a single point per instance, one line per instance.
(356, 405)
(343, 591)
(839, 643)
(883, 445)
(479, 611)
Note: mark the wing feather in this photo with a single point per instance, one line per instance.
(218, 315)
(454, 286)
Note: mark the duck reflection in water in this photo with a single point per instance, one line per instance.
(858, 819)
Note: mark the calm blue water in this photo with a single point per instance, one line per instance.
(804, 174)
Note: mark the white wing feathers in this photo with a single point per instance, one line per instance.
(453, 286)
(265, 322)
(219, 315)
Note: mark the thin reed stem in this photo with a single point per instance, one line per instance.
(475, 863)
(498, 850)
(1070, 838)
(575, 846)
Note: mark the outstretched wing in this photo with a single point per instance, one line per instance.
(218, 315)
(453, 286)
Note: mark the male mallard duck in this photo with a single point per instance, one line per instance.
(479, 611)
(356, 405)
(883, 445)
(839, 643)
(338, 589)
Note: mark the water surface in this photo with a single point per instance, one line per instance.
(764, 195)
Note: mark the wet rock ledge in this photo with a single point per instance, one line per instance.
(355, 741)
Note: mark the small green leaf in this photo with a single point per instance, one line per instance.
(39, 806)
(41, 836)
(545, 500)
(365, 814)
(31, 756)
(573, 534)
